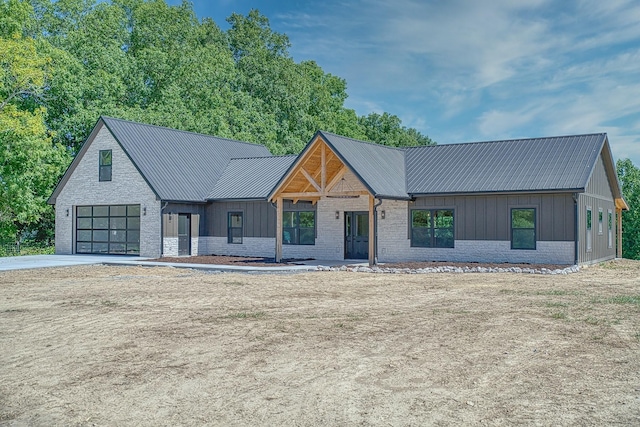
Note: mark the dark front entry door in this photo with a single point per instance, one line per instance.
(184, 234)
(356, 235)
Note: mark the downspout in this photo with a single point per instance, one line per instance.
(375, 232)
(162, 230)
(575, 227)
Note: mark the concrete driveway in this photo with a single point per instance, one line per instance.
(40, 261)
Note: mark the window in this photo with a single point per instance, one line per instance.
(610, 228)
(523, 228)
(600, 219)
(432, 228)
(299, 228)
(105, 165)
(234, 232)
(589, 219)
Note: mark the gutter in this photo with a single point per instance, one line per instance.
(375, 231)
(162, 230)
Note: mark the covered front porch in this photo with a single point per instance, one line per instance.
(345, 209)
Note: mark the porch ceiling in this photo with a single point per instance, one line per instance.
(316, 174)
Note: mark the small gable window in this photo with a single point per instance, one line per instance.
(105, 165)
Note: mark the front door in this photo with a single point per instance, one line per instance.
(184, 234)
(356, 235)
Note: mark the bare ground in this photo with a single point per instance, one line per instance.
(162, 346)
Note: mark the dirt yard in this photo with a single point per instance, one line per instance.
(165, 346)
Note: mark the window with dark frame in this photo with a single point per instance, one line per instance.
(523, 228)
(589, 226)
(432, 228)
(234, 230)
(609, 228)
(299, 228)
(105, 161)
(600, 220)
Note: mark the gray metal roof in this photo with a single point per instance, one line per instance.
(536, 164)
(251, 178)
(380, 168)
(179, 165)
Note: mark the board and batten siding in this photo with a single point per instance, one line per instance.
(487, 217)
(598, 195)
(170, 219)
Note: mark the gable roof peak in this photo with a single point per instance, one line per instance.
(107, 119)
(377, 144)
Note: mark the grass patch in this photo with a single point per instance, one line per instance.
(559, 315)
(245, 315)
(553, 292)
(108, 303)
(557, 304)
(624, 299)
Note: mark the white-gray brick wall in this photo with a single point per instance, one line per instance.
(127, 186)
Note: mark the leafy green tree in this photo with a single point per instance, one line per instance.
(629, 176)
(29, 162)
(387, 129)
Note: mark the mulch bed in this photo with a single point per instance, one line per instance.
(270, 262)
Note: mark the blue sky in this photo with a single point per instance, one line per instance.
(465, 70)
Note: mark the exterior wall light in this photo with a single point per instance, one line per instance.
(67, 212)
(382, 214)
(337, 214)
(144, 210)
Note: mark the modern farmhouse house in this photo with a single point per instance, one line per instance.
(140, 189)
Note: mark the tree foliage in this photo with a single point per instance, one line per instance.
(66, 62)
(629, 176)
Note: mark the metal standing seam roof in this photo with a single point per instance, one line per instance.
(536, 164)
(179, 165)
(381, 168)
(251, 178)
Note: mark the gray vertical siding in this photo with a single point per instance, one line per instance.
(598, 195)
(259, 216)
(198, 219)
(487, 217)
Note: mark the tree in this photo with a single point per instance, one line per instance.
(387, 129)
(629, 176)
(29, 163)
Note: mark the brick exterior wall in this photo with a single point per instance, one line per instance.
(126, 187)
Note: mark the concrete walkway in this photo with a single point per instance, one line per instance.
(44, 261)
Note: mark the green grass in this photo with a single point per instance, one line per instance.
(624, 299)
(559, 315)
(557, 304)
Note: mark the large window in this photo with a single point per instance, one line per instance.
(108, 229)
(234, 231)
(432, 228)
(105, 165)
(299, 228)
(523, 228)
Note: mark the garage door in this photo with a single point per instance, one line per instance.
(108, 229)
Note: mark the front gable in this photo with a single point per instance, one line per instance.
(84, 169)
(319, 171)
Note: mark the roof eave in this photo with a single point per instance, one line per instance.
(505, 192)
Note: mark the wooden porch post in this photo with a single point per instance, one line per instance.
(278, 229)
(372, 237)
(619, 249)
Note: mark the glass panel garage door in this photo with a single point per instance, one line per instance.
(108, 229)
